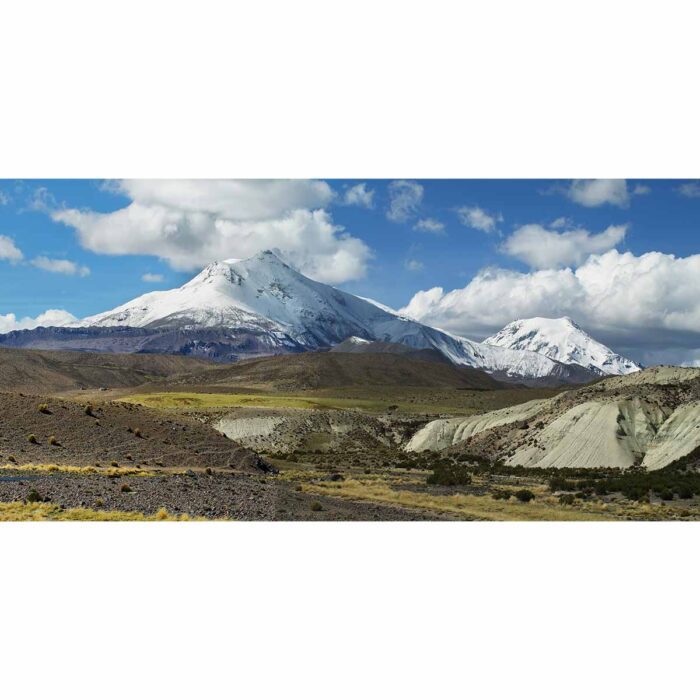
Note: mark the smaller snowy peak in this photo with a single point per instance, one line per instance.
(561, 339)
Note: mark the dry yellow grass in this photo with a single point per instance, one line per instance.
(461, 504)
(106, 471)
(20, 512)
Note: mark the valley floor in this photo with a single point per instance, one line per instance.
(334, 457)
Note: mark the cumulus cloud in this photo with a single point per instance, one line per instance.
(152, 277)
(645, 302)
(430, 226)
(192, 223)
(689, 189)
(541, 248)
(595, 193)
(359, 196)
(405, 198)
(51, 317)
(478, 218)
(62, 267)
(9, 251)
(239, 200)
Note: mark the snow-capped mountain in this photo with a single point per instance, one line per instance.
(261, 306)
(264, 295)
(562, 340)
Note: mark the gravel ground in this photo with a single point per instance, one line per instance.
(219, 495)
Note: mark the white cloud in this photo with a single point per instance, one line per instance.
(9, 251)
(647, 301)
(42, 200)
(641, 190)
(689, 189)
(238, 200)
(476, 217)
(429, 226)
(152, 277)
(62, 267)
(562, 222)
(4, 198)
(414, 265)
(404, 200)
(192, 223)
(542, 248)
(51, 317)
(359, 196)
(595, 193)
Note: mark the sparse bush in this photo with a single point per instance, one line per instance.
(125, 488)
(524, 495)
(12, 458)
(99, 503)
(44, 408)
(162, 514)
(567, 499)
(32, 438)
(500, 495)
(89, 411)
(446, 473)
(114, 463)
(53, 441)
(34, 497)
(209, 471)
(316, 506)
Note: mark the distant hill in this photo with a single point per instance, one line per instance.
(359, 345)
(46, 371)
(324, 370)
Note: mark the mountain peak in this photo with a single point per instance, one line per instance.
(563, 340)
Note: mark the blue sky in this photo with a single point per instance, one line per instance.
(496, 249)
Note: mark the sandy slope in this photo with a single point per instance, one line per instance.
(439, 434)
(649, 418)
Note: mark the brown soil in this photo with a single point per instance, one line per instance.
(123, 433)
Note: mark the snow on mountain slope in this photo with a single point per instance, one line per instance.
(562, 340)
(265, 295)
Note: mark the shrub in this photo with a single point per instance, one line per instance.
(567, 499)
(34, 497)
(99, 503)
(53, 441)
(114, 463)
(666, 495)
(685, 492)
(449, 474)
(32, 438)
(125, 488)
(89, 410)
(316, 506)
(501, 495)
(44, 408)
(209, 471)
(12, 458)
(162, 514)
(524, 495)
